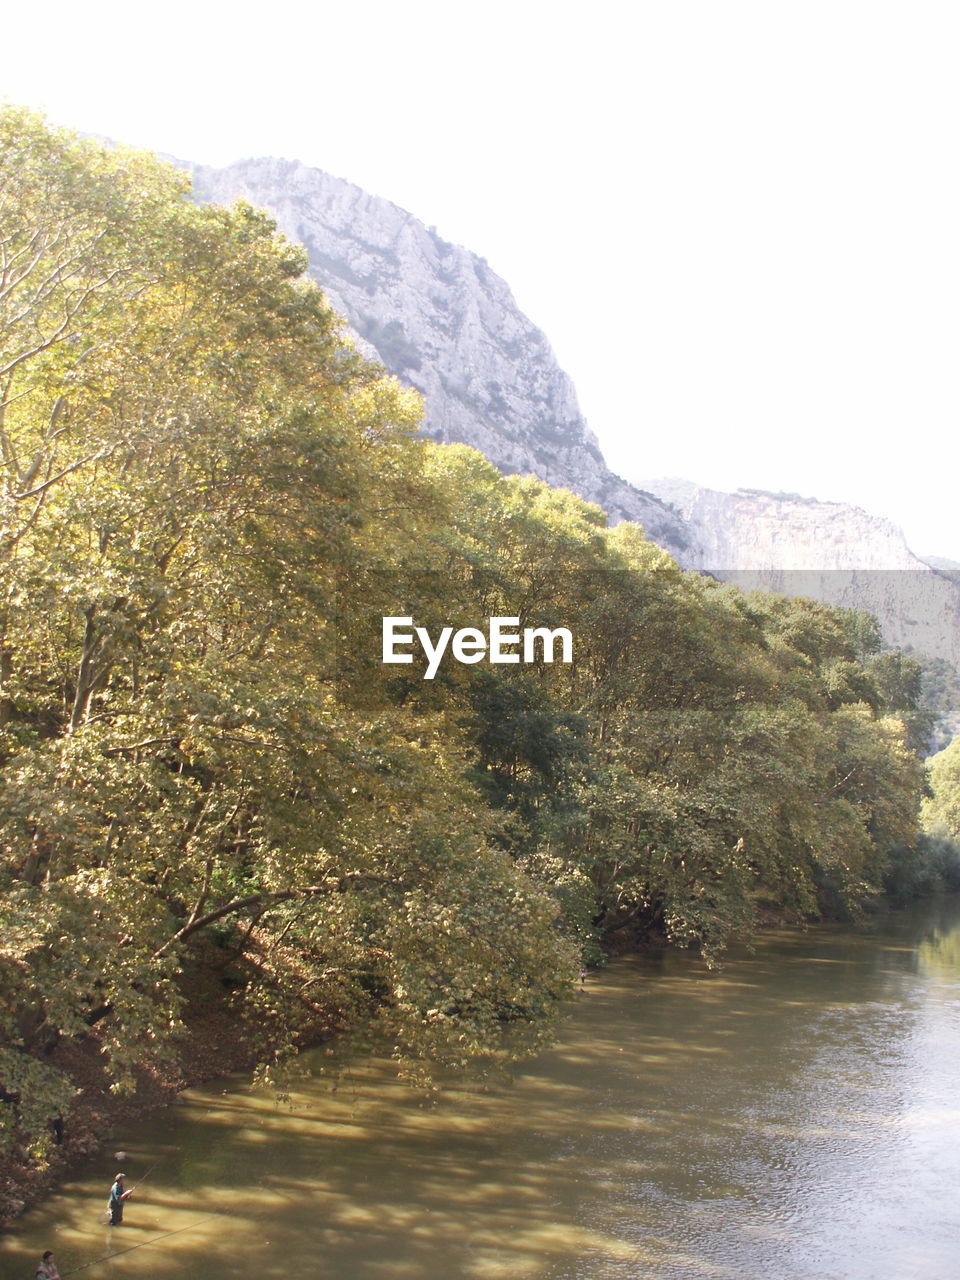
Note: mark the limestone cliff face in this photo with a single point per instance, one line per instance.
(754, 530)
(442, 321)
(439, 319)
(826, 550)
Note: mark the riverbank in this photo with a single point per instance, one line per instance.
(210, 1046)
(788, 1114)
(214, 1043)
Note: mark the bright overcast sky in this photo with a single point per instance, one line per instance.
(738, 221)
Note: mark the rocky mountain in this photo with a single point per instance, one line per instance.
(755, 530)
(442, 321)
(826, 550)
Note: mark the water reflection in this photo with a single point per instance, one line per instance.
(792, 1117)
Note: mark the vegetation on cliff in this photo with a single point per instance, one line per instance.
(208, 504)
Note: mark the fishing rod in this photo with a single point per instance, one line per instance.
(107, 1213)
(147, 1174)
(84, 1266)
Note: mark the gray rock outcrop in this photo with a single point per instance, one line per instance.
(443, 322)
(829, 551)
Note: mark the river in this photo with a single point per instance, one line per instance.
(792, 1116)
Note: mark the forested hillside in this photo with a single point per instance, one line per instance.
(209, 501)
(446, 324)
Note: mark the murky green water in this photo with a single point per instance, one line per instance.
(796, 1115)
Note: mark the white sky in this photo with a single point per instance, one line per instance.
(738, 221)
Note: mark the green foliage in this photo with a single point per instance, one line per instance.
(941, 810)
(195, 461)
(208, 501)
(931, 866)
(940, 699)
(900, 682)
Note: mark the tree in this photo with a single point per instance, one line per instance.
(941, 810)
(196, 464)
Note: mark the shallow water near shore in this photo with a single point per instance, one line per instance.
(792, 1116)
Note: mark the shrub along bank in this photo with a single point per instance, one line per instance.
(210, 503)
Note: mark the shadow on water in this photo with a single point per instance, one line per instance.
(792, 1116)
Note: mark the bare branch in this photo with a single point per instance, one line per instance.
(74, 466)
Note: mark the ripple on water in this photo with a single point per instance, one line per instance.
(794, 1117)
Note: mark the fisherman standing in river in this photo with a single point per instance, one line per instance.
(47, 1269)
(115, 1203)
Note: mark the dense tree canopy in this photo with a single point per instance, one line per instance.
(941, 810)
(208, 503)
